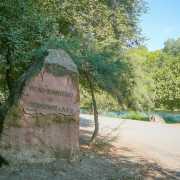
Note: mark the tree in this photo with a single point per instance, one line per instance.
(111, 23)
(99, 70)
(165, 70)
(99, 29)
(168, 83)
(87, 70)
(156, 77)
(172, 47)
(23, 28)
(102, 26)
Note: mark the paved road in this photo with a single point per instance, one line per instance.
(157, 142)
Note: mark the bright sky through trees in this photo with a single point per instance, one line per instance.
(161, 22)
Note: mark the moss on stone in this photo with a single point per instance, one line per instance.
(58, 70)
(44, 120)
(34, 70)
(15, 111)
(24, 80)
(13, 116)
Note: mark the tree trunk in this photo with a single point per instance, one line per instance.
(114, 20)
(96, 130)
(96, 121)
(8, 75)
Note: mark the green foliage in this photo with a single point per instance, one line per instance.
(107, 23)
(150, 79)
(92, 31)
(23, 28)
(108, 71)
(135, 115)
(156, 80)
(167, 76)
(141, 89)
(172, 47)
(170, 120)
(167, 80)
(105, 101)
(169, 117)
(97, 33)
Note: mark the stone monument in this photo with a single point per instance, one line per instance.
(43, 119)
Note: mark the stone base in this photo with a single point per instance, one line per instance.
(49, 142)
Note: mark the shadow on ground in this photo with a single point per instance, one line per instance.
(84, 122)
(123, 162)
(101, 161)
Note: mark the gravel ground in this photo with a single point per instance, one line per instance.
(103, 161)
(158, 142)
(94, 164)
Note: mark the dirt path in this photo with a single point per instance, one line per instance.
(159, 143)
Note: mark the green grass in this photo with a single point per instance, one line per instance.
(170, 119)
(168, 116)
(135, 116)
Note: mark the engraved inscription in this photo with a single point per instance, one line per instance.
(51, 107)
(51, 95)
(50, 91)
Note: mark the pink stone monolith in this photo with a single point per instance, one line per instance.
(43, 121)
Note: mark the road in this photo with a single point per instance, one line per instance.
(156, 142)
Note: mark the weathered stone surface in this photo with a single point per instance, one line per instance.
(44, 116)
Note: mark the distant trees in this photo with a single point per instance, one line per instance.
(167, 76)
(157, 77)
(167, 81)
(152, 81)
(172, 47)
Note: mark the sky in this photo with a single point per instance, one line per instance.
(161, 22)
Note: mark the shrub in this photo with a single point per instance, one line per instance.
(135, 116)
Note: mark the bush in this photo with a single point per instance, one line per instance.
(170, 117)
(135, 116)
